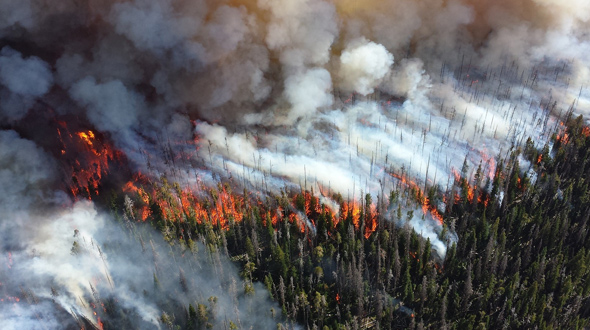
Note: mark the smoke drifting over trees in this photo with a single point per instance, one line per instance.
(65, 257)
(335, 96)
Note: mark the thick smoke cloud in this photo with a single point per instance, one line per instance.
(301, 31)
(26, 175)
(23, 81)
(307, 92)
(363, 65)
(280, 94)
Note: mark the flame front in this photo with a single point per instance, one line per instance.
(426, 207)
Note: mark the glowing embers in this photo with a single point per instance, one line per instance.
(10, 299)
(481, 199)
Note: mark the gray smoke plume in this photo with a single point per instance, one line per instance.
(23, 81)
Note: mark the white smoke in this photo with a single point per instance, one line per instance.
(307, 93)
(363, 65)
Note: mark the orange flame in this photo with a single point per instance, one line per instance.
(222, 207)
(131, 187)
(309, 200)
(296, 219)
(471, 189)
(470, 193)
(483, 201)
(87, 137)
(351, 209)
(371, 223)
(88, 168)
(564, 139)
(227, 208)
(427, 208)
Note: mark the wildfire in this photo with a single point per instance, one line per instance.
(470, 190)
(131, 187)
(312, 205)
(482, 200)
(563, 138)
(176, 203)
(275, 217)
(227, 209)
(87, 156)
(425, 205)
(438, 268)
(296, 219)
(371, 223)
(87, 137)
(222, 207)
(352, 210)
(470, 193)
